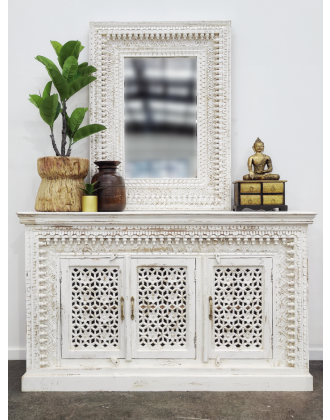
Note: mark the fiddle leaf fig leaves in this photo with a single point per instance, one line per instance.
(78, 74)
(36, 100)
(88, 130)
(58, 110)
(86, 71)
(57, 46)
(79, 84)
(60, 83)
(46, 62)
(71, 48)
(67, 79)
(70, 68)
(76, 119)
(47, 90)
(48, 109)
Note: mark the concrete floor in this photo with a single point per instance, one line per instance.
(164, 405)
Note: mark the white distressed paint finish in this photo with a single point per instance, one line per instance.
(164, 239)
(91, 290)
(164, 321)
(209, 42)
(242, 322)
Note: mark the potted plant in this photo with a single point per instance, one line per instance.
(89, 200)
(61, 174)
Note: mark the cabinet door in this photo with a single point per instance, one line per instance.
(163, 307)
(238, 319)
(91, 291)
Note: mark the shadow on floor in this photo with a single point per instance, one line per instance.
(164, 405)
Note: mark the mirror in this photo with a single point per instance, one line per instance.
(160, 117)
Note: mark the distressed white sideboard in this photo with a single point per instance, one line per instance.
(166, 301)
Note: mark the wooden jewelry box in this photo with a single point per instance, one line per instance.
(259, 195)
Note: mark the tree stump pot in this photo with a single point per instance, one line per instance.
(60, 178)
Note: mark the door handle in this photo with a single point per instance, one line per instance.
(210, 303)
(122, 308)
(132, 307)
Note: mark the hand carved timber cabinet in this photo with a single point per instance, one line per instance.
(176, 293)
(168, 301)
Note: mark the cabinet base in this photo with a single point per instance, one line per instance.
(104, 381)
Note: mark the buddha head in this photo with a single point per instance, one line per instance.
(258, 146)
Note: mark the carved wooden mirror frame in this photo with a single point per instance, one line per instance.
(210, 43)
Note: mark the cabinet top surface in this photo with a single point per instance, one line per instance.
(166, 217)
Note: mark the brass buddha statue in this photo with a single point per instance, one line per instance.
(259, 161)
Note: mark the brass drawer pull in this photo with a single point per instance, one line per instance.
(211, 313)
(122, 308)
(132, 307)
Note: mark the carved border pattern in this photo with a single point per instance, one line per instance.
(287, 244)
(210, 43)
(28, 285)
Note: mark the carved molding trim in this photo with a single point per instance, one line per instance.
(210, 43)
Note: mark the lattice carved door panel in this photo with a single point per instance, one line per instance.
(164, 308)
(90, 299)
(239, 323)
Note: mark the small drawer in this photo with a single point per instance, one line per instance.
(273, 199)
(272, 187)
(254, 200)
(250, 188)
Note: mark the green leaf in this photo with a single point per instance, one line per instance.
(48, 109)
(88, 130)
(83, 65)
(47, 89)
(81, 48)
(36, 100)
(59, 83)
(86, 71)
(70, 68)
(46, 62)
(76, 119)
(89, 188)
(57, 46)
(79, 84)
(58, 110)
(85, 191)
(77, 76)
(71, 48)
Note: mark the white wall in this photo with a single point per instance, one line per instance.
(276, 95)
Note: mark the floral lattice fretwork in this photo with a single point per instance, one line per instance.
(238, 304)
(162, 307)
(94, 300)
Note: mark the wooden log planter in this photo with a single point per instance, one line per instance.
(61, 177)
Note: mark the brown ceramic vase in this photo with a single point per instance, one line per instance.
(60, 178)
(113, 197)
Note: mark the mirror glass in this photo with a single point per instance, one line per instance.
(160, 117)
